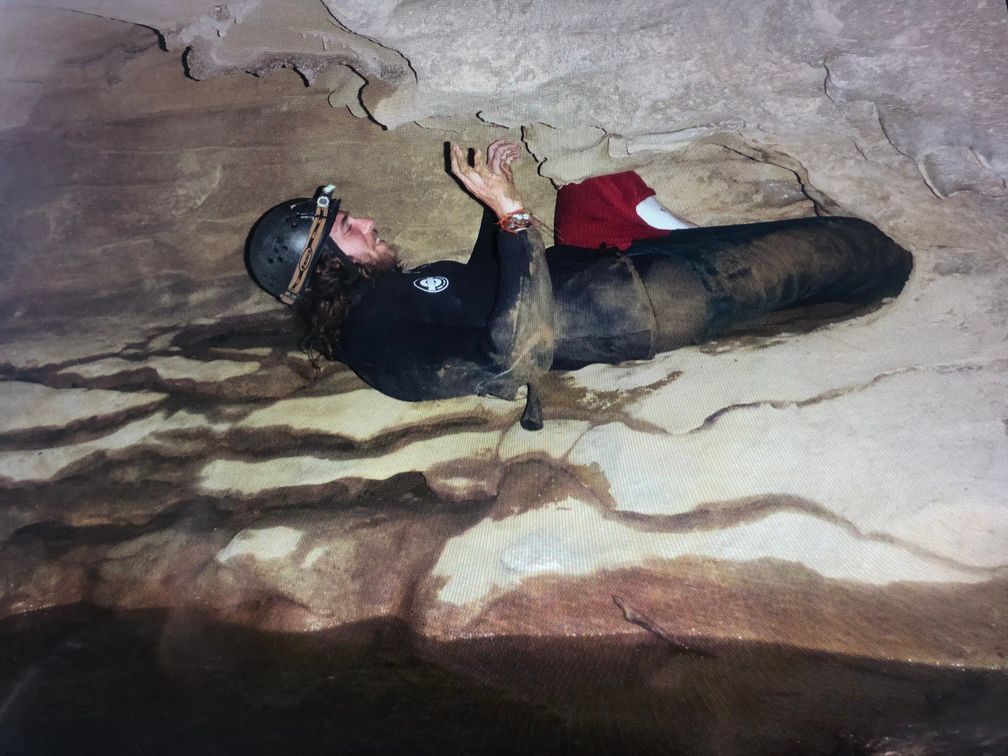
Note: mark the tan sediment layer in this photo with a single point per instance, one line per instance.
(705, 604)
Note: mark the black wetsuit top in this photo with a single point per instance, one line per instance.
(450, 329)
(514, 311)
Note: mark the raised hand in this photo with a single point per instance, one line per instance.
(490, 181)
(501, 154)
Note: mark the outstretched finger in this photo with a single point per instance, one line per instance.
(504, 144)
(495, 156)
(462, 174)
(457, 161)
(505, 169)
(510, 157)
(500, 148)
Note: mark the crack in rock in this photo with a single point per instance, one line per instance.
(821, 203)
(634, 617)
(827, 82)
(835, 393)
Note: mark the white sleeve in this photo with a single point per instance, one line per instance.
(652, 212)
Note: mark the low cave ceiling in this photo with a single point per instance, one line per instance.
(732, 111)
(654, 74)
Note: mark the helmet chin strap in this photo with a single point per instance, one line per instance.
(329, 243)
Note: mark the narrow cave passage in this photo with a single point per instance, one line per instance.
(209, 542)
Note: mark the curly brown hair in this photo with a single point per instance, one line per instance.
(324, 306)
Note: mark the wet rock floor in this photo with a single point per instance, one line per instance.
(79, 680)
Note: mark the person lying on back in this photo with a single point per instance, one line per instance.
(625, 281)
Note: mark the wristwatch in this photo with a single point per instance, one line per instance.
(516, 221)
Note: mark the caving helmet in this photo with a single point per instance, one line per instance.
(286, 243)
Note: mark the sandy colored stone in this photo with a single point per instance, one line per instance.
(834, 484)
(697, 607)
(31, 405)
(261, 544)
(570, 538)
(908, 448)
(255, 477)
(48, 463)
(167, 367)
(364, 414)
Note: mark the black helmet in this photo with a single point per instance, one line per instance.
(286, 242)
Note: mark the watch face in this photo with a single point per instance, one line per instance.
(519, 221)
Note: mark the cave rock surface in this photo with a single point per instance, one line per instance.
(838, 485)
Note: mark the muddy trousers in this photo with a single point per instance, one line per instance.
(704, 281)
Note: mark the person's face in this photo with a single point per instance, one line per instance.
(360, 242)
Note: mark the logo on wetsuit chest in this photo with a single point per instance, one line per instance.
(431, 284)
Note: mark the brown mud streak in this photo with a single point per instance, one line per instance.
(150, 488)
(563, 399)
(271, 442)
(57, 539)
(725, 514)
(277, 377)
(529, 483)
(77, 431)
(398, 527)
(270, 329)
(201, 446)
(162, 479)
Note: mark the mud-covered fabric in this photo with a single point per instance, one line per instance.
(693, 285)
(451, 329)
(600, 308)
(704, 281)
(512, 312)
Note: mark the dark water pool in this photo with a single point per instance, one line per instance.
(82, 681)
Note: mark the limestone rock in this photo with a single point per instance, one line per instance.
(826, 479)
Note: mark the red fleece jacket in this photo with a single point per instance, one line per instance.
(602, 211)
